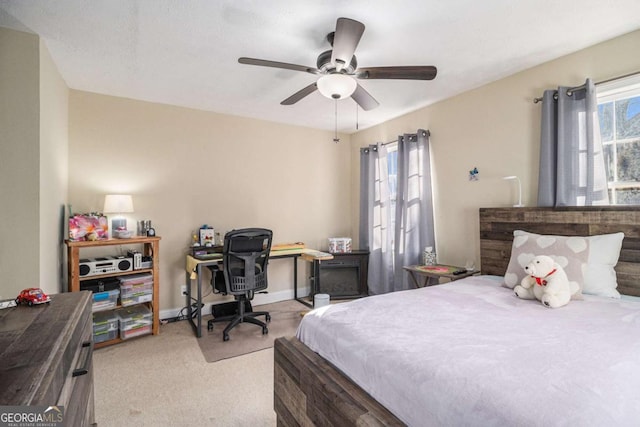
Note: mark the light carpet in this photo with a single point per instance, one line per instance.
(246, 337)
(163, 380)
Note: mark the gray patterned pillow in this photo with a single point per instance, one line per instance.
(588, 261)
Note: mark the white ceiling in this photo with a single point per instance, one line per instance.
(184, 52)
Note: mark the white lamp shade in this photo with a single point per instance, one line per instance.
(118, 203)
(336, 86)
(509, 178)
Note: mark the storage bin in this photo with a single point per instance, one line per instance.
(339, 245)
(105, 321)
(129, 283)
(105, 300)
(105, 326)
(135, 299)
(127, 291)
(136, 278)
(105, 336)
(135, 332)
(136, 289)
(134, 321)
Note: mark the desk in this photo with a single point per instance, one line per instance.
(195, 266)
(425, 272)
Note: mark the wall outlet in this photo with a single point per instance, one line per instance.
(183, 290)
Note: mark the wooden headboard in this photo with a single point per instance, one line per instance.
(497, 226)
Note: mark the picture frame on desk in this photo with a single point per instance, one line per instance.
(207, 237)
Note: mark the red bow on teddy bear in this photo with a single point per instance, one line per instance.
(540, 280)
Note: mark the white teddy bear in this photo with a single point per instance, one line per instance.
(546, 282)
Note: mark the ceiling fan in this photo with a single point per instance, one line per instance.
(338, 69)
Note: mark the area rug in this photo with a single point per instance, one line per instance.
(247, 338)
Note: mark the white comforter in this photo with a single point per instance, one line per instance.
(471, 353)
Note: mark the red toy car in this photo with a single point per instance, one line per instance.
(32, 296)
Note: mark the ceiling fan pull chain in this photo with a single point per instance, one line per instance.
(335, 138)
(356, 116)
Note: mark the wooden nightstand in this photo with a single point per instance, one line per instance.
(422, 273)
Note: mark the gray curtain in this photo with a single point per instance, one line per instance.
(390, 250)
(414, 205)
(572, 166)
(375, 213)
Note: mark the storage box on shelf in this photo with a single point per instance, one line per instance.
(107, 300)
(136, 289)
(134, 321)
(132, 288)
(105, 326)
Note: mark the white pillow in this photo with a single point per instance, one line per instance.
(588, 261)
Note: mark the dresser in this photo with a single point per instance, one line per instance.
(46, 356)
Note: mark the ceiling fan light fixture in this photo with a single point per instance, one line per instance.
(336, 86)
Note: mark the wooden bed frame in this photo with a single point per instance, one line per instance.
(308, 390)
(497, 226)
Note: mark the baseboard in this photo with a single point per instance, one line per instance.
(258, 299)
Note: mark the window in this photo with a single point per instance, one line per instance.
(619, 117)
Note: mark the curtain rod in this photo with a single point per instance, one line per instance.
(581, 87)
(366, 149)
(428, 133)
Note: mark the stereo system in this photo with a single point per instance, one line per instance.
(137, 259)
(104, 265)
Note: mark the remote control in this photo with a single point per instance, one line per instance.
(461, 271)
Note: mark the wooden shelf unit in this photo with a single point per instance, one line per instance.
(151, 247)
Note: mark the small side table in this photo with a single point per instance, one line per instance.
(421, 273)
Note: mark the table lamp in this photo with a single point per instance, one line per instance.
(519, 205)
(118, 204)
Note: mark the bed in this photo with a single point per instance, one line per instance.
(450, 355)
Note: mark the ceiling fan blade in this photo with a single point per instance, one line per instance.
(346, 39)
(364, 99)
(300, 94)
(406, 73)
(275, 64)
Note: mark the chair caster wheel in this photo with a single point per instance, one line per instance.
(265, 331)
(209, 326)
(268, 317)
(225, 337)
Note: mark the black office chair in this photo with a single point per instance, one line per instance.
(245, 258)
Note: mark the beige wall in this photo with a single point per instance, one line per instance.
(179, 164)
(54, 134)
(186, 168)
(496, 129)
(19, 162)
(33, 165)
